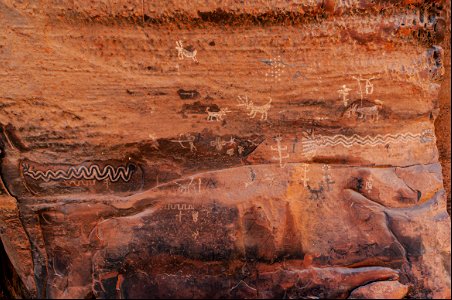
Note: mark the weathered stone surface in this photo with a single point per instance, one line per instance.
(380, 290)
(233, 150)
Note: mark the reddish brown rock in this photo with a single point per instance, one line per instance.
(380, 290)
(241, 150)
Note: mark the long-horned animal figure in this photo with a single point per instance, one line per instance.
(316, 194)
(254, 109)
(371, 112)
(182, 52)
(216, 115)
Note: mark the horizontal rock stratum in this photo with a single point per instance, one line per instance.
(225, 149)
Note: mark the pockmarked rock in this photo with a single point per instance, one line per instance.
(157, 149)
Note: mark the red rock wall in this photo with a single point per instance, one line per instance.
(224, 149)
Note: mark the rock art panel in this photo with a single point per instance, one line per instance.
(94, 177)
(258, 149)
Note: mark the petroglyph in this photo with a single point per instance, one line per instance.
(372, 112)
(93, 172)
(369, 87)
(254, 109)
(240, 149)
(344, 91)
(280, 150)
(179, 216)
(181, 52)
(107, 184)
(317, 193)
(327, 177)
(311, 142)
(186, 138)
(190, 186)
(216, 115)
(218, 143)
(79, 183)
(276, 68)
(179, 206)
(154, 142)
(195, 216)
(305, 178)
(267, 180)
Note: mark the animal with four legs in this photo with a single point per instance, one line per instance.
(254, 109)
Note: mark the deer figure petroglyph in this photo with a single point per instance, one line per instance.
(181, 52)
(254, 109)
(216, 115)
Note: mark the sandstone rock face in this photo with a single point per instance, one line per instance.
(226, 149)
(380, 290)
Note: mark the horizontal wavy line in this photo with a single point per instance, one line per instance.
(82, 172)
(349, 141)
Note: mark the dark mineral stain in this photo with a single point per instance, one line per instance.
(403, 197)
(8, 134)
(188, 94)
(198, 108)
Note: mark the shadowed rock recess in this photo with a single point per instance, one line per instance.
(225, 149)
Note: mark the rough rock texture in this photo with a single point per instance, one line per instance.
(380, 290)
(228, 149)
(442, 127)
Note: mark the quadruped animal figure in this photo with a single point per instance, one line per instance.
(182, 52)
(254, 109)
(316, 194)
(216, 115)
(371, 112)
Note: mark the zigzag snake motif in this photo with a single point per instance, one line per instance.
(83, 172)
(312, 143)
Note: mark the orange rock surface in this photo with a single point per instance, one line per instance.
(224, 149)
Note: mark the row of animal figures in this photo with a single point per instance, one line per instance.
(252, 109)
(355, 110)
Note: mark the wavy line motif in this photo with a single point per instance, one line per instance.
(312, 143)
(83, 172)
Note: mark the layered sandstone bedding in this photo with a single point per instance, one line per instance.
(226, 149)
